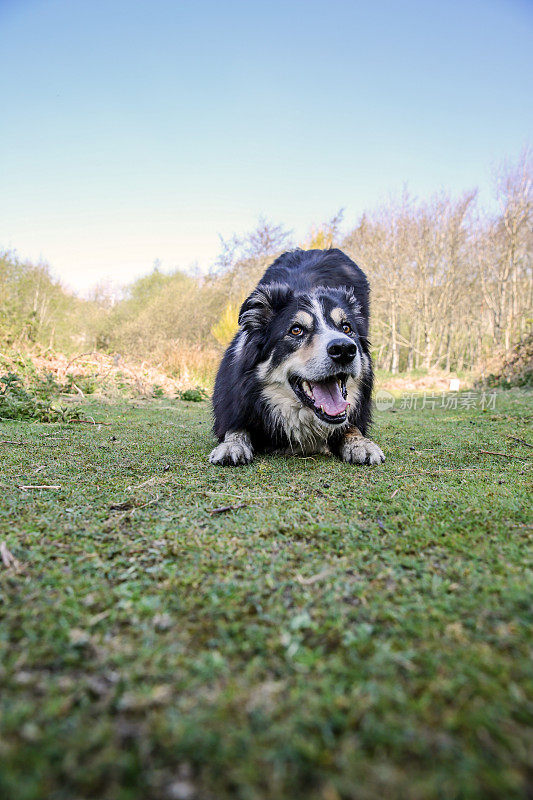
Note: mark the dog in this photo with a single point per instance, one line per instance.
(297, 377)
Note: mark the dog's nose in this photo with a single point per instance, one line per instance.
(341, 351)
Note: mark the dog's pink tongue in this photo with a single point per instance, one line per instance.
(329, 396)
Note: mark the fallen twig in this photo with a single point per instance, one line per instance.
(504, 455)
(314, 578)
(40, 486)
(223, 509)
(148, 482)
(8, 559)
(91, 422)
(8, 441)
(130, 510)
(81, 355)
(395, 492)
(78, 389)
(522, 441)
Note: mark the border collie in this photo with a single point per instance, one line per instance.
(297, 377)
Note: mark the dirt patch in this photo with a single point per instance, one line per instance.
(432, 382)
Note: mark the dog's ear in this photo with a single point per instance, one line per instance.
(352, 300)
(259, 308)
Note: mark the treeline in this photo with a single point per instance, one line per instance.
(36, 310)
(451, 287)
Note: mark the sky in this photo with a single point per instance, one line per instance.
(136, 130)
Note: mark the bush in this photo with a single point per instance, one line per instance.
(517, 369)
(17, 402)
(195, 395)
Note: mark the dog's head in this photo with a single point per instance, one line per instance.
(311, 347)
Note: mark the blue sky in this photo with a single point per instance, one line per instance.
(134, 131)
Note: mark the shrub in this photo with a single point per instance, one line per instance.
(195, 395)
(17, 402)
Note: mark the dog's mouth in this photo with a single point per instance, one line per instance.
(327, 398)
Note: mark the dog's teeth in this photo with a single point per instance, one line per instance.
(307, 388)
(323, 409)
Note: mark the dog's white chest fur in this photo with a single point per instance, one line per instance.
(305, 432)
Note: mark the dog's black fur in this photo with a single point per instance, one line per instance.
(295, 281)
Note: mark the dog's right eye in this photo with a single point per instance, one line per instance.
(296, 330)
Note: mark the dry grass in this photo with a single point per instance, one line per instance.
(177, 365)
(191, 363)
(176, 369)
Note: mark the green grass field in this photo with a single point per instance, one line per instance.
(340, 633)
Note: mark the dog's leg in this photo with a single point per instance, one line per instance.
(354, 448)
(234, 451)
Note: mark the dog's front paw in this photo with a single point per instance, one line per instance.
(235, 451)
(360, 450)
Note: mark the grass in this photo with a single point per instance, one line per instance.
(343, 633)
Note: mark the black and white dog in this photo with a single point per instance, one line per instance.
(298, 377)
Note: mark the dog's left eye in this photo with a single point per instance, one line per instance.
(296, 330)
(346, 327)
